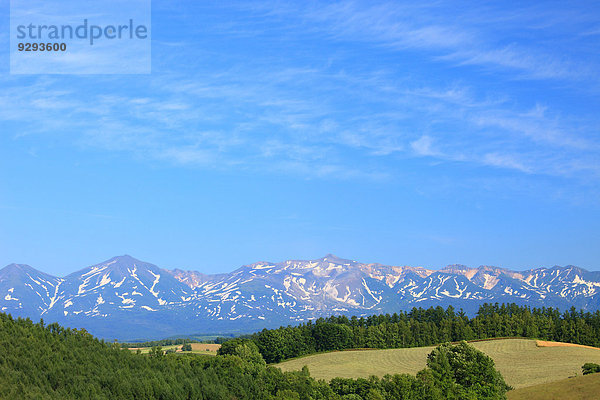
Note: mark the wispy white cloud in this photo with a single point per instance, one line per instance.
(462, 39)
(537, 125)
(276, 128)
(423, 146)
(505, 161)
(320, 117)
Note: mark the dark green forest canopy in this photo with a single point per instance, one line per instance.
(52, 362)
(426, 327)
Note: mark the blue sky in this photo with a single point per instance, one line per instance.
(378, 131)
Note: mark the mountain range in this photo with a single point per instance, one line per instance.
(126, 299)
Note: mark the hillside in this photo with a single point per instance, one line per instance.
(577, 388)
(129, 299)
(52, 362)
(521, 361)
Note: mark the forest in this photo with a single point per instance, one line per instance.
(39, 361)
(426, 327)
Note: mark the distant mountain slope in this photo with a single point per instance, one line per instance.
(127, 298)
(26, 291)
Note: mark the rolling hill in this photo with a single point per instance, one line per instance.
(520, 361)
(577, 388)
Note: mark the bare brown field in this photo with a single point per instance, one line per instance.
(520, 361)
(544, 343)
(197, 348)
(205, 347)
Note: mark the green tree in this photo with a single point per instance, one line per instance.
(245, 349)
(464, 372)
(186, 347)
(156, 352)
(590, 368)
(329, 336)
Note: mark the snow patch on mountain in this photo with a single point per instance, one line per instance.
(126, 289)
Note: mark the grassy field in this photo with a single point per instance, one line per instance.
(197, 348)
(521, 361)
(577, 388)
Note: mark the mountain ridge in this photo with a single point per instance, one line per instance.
(123, 297)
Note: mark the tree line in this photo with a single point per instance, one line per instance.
(155, 343)
(426, 327)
